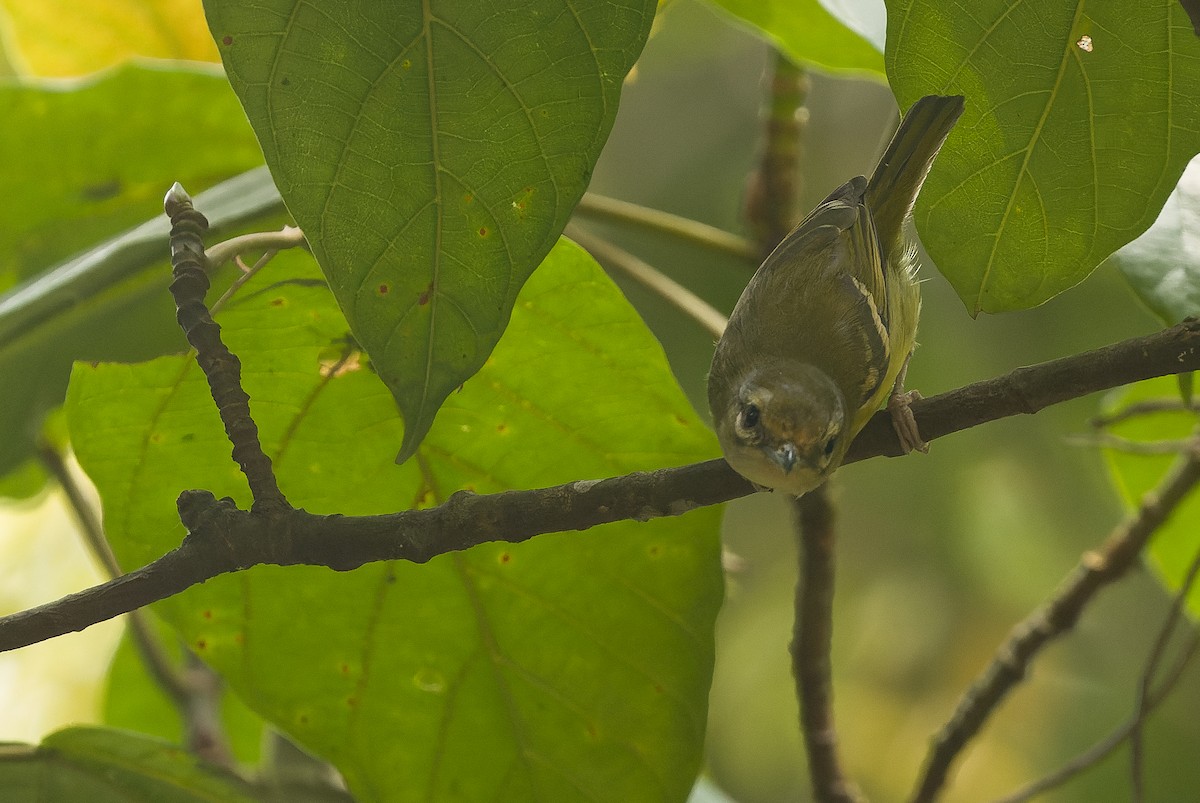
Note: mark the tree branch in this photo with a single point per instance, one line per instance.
(223, 539)
(812, 643)
(1095, 570)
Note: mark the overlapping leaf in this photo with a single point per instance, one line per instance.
(1137, 473)
(81, 165)
(1079, 121)
(809, 34)
(432, 152)
(571, 667)
(94, 765)
(1163, 265)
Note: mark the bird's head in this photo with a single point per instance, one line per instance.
(784, 428)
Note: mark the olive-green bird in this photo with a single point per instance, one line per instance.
(822, 333)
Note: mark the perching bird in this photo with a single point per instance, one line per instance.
(822, 333)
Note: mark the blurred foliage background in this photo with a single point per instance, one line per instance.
(940, 555)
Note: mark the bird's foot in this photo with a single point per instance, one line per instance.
(902, 418)
(903, 421)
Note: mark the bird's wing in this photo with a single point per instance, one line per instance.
(831, 264)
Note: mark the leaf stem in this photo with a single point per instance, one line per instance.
(601, 207)
(650, 277)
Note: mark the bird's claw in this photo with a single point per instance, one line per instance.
(903, 421)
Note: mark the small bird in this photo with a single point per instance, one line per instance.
(823, 332)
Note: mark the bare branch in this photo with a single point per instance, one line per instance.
(273, 241)
(1146, 694)
(195, 692)
(224, 539)
(1095, 570)
(812, 643)
(221, 367)
(1153, 697)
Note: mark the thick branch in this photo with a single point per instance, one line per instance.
(225, 539)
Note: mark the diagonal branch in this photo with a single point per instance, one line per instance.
(1096, 570)
(223, 539)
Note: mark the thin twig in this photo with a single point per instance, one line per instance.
(287, 237)
(1138, 409)
(89, 523)
(1095, 570)
(1143, 704)
(191, 692)
(1097, 752)
(812, 643)
(603, 208)
(1106, 440)
(221, 367)
(645, 274)
(222, 540)
(245, 274)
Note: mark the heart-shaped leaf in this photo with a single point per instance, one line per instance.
(1079, 121)
(432, 152)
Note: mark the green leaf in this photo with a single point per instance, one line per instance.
(1176, 542)
(95, 765)
(571, 667)
(82, 162)
(109, 303)
(809, 34)
(1064, 153)
(65, 188)
(1163, 265)
(432, 152)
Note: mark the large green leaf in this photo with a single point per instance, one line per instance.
(570, 667)
(109, 303)
(95, 765)
(82, 162)
(1163, 265)
(1068, 147)
(1137, 473)
(432, 152)
(809, 34)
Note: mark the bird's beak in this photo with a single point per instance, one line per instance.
(785, 456)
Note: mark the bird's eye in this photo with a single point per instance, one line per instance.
(830, 444)
(748, 419)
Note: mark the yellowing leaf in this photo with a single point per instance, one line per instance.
(64, 38)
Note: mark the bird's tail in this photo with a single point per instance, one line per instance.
(893, 188)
